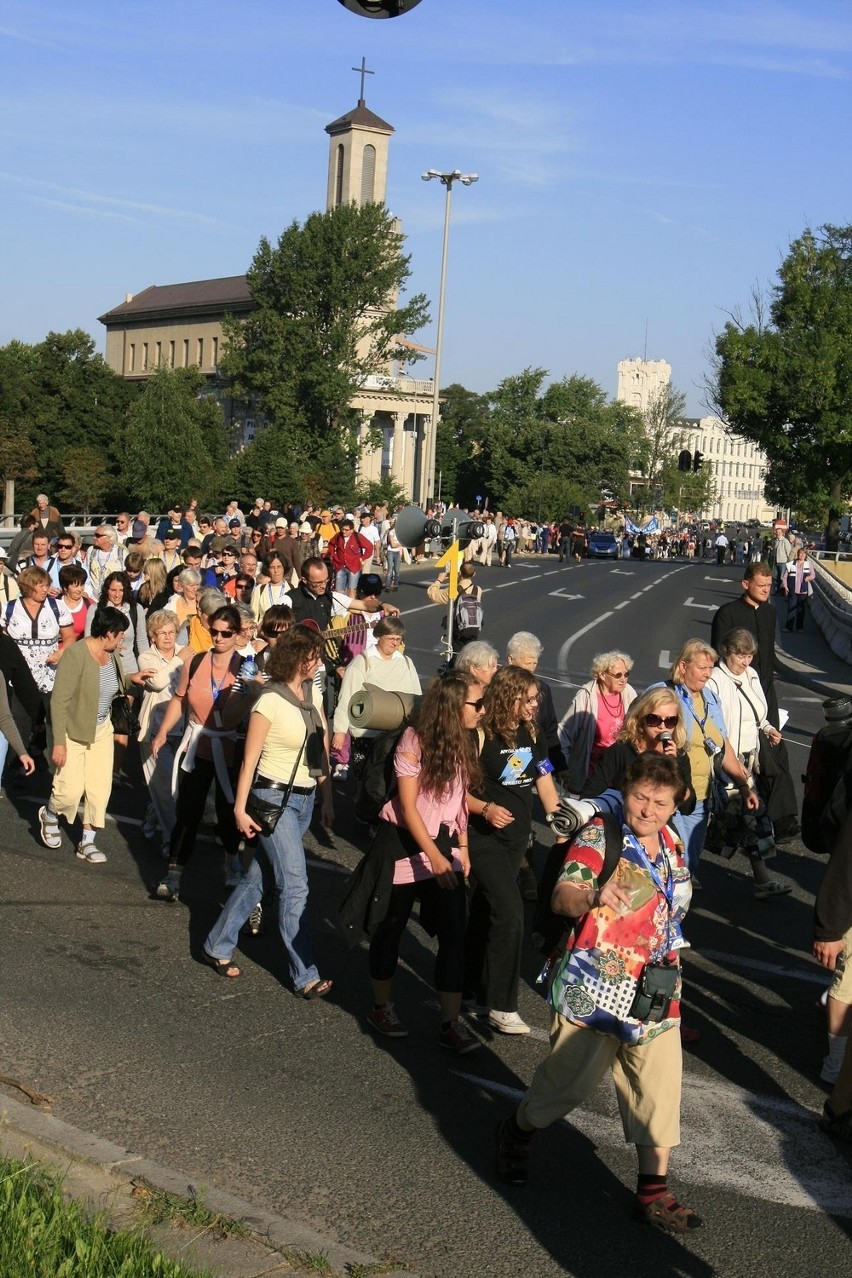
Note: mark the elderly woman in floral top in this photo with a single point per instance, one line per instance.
(615, 991)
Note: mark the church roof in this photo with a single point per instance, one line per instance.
(361, 118)
(195, 297)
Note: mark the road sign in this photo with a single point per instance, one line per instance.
(452, 559)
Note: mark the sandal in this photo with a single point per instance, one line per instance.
(222, 967)
(317, 989)
(765, 891)
(667, 1214)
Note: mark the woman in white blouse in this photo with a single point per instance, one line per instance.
(743, 703)
(159, 671)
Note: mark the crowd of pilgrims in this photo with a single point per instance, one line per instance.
(227, 650)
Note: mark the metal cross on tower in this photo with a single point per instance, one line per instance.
(363, 71)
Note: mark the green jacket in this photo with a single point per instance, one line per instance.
(74, 700)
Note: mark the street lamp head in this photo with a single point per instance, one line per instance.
(430, 173)
(467, 179)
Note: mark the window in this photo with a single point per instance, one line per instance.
(368, 174)
(338, 177)
(171, 354)
(199, 357)
(131, 358)
(186, 352)
(144, 356)
(159, 354)
(215, 352)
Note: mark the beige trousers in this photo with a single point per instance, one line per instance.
(647, 1081)
(87, 775)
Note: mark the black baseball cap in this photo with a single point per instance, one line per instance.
(369, 583)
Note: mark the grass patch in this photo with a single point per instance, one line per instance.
(376, 1268)
(43, 1234)
(158, 1206)
(315, 1262)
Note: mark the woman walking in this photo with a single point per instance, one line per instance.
(88, 680)
(285, 762)
(160, 668)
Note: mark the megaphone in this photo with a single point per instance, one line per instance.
(412, 527)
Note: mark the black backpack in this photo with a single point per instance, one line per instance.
(377, 782)
(828, 787)
(548, 927)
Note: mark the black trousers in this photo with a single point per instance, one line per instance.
(446, 910)
(193, 788)
(495, 930)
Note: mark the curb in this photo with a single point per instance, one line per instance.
(274, 1233)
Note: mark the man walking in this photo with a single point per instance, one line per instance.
(781, 552)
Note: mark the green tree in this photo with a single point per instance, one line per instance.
(325, 319)
(784, 379)
(60, 393)
(85, 479)
(461, 430)
(166, 455)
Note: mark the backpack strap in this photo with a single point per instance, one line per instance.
(614, 846)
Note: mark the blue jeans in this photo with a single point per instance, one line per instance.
(346, 578)
(285, 853)
(392, 575)
(4, 750)
(692, 830)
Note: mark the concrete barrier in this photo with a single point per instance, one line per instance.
(831, 608)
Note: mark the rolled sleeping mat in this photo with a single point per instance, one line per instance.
(378, 711)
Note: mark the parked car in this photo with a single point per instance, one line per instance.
(602, 545)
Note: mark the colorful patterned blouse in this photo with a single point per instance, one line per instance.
(595, 980)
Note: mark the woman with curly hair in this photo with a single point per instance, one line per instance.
(422, 832)
(595, 717)
(514, 765)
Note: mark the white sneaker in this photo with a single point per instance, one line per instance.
(507, 1023)
(88, 852)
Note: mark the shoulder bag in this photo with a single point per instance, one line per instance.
(264, 812)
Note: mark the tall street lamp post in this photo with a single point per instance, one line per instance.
(428, 471)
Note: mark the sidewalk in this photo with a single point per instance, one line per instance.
(113, 1180)
(805, 658)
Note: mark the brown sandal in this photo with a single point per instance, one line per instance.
(317, 989)
(667, 1214)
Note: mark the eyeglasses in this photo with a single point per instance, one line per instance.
(617, 674)
(65, 545)
(658, 721)
(222, 634)
(478, 704)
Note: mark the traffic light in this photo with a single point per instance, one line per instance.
(378, 8)
(697, 459)
(684, 460)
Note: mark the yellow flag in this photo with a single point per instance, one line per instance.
(453, 559)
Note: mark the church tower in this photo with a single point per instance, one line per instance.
(358, 155)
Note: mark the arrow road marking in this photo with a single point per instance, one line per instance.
(623, 572)
(563, 594)
(690, 603)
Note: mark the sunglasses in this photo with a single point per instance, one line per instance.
(657, 721)
(478, 704)
(65, 545)
(223, 634)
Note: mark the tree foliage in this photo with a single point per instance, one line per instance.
(170, 448)
(85, 479)
(535, 450)
(326, 318)
(60, 394)
(784, 378)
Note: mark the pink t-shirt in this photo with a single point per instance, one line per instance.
(449, 808)
(608, 724)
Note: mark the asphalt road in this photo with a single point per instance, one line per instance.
(386, 1145)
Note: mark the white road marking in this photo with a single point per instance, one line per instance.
(533, 576)
(623, 572)
(816, 976)
(762, 1147)
(562, 660)
(504, 584)
(564, 594)
(727, 580)
(552, 572)
(621, 605)
(690, 603)
(665, 658)
(638, 595)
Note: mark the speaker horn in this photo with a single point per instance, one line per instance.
(466, 529)
(412, 527)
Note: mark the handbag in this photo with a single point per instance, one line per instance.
(264, 812)
(655, 991)
(123, 715)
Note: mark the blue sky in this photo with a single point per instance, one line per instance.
(639, 164)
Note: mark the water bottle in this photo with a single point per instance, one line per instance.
(248, 668)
